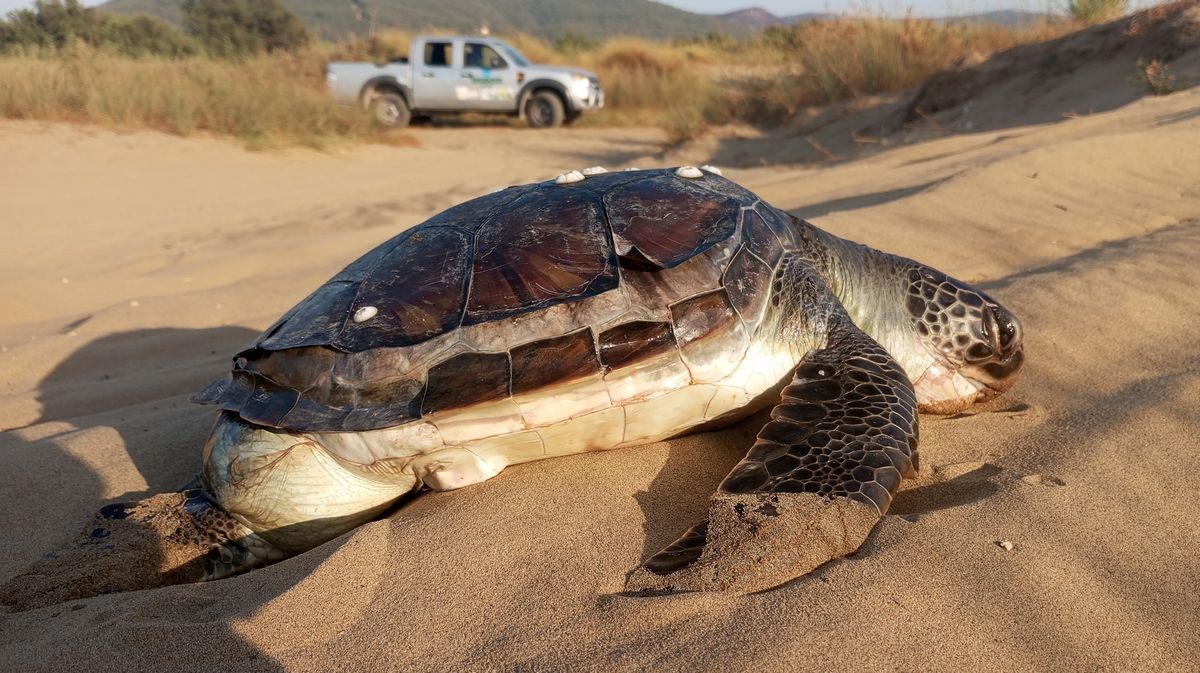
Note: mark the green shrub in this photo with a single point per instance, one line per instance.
(231, 28)
(143, 35)
(1097, 11)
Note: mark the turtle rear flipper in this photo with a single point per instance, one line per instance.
(169, 538)
(821, 474)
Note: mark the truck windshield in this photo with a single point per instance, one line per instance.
(517, 56)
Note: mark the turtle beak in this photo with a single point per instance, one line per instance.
(1005, 331)
(998, 373)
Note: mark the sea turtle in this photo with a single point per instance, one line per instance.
(595, 311)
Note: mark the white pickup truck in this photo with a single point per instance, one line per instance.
(466, 74)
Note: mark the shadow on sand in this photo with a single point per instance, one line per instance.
(134, 386)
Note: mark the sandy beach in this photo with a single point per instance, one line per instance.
(135, 264)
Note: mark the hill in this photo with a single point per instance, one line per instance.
(1006, 17)
(547, 19)
(758, 19)
(755, 19)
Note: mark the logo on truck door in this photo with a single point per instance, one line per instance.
(484, 87)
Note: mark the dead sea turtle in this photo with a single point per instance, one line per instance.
(595, 311)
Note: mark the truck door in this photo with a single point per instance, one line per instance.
(436, 76)
(487, 81)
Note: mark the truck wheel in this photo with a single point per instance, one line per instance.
(544, 110)
(390, 110)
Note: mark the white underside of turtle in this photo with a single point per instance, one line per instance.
(595, 311)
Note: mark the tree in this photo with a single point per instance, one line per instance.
(52, 24)
(55, 25)
(143, 35)
(237, 27)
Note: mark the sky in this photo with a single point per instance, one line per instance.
(784, 7)
(922, 7)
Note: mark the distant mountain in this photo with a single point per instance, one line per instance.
(547, 19)
(757, 19)
(1007, 17)
(752, 18)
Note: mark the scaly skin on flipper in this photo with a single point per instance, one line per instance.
(822, 472)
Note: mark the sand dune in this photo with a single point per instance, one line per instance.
(135, 264)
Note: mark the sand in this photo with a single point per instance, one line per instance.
(135, 264)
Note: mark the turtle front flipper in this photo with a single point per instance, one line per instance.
(821, 474)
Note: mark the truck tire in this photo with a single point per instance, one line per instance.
(390, 110)
(544, 110)
(572, 117)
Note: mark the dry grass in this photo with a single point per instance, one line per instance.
(264, 101)
(686, 88)
(681, 87)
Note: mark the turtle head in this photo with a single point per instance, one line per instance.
(970, 347)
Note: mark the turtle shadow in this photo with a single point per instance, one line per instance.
(115, 424)
(679, 495)
(130, 390)
(137, 383)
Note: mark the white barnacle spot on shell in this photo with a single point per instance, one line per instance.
(594, 170)
(365, 313)
(568, 178)
(632, 168)
(689, 172)
(711, 169)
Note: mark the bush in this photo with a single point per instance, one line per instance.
(230, 28)
(143, 35)
(1097, 11)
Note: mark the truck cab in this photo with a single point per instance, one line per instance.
(460, 74)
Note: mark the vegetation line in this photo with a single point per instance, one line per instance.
(250, 69)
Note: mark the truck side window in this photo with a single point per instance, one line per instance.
(437, 54)
(477, 55)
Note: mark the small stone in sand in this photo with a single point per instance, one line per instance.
(1043, 480)
(1005, 545)
(135, 303)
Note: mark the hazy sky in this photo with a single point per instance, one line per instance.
(923, 7)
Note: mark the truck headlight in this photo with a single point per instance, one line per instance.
(580, 84)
